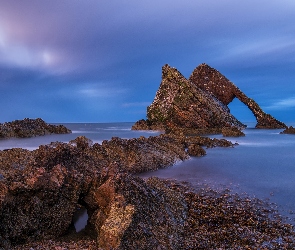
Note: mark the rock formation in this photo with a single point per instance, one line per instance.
(232, 132)
(180, 104)
(40, 191)
(29, 128)
(289, 130)
(212, 81)
(198, 103)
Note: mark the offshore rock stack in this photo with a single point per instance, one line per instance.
(30, 128)
(199, 102)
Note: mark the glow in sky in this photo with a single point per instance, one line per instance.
(100, 61)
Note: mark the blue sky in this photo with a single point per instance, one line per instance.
(100, 61)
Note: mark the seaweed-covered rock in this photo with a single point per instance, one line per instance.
(212, 81)
(29, 128)
(289, 130)
(234, 132)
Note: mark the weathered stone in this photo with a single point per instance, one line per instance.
(212, 81)
(196, 150)
(29, 128)
(235, 132)
(289, 130)
(40, 191)
(180, 104)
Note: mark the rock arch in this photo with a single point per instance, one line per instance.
(211, 80)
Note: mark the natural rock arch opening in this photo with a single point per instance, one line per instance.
(211, 80)
(241, 111)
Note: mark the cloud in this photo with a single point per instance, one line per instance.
(282, 104)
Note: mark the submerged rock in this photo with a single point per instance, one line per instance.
(30, 128)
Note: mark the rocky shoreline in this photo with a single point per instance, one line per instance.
(41, 190)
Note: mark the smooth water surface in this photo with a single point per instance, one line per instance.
(97, 132)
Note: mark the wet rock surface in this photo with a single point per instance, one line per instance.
(30, 128)
(40, 191)
(289, 130)
(199, 102)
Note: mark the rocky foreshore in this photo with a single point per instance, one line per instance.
(41, 190)
(30, 128)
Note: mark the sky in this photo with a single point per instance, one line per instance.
(100, 61)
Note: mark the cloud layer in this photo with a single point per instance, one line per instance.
(96, 61)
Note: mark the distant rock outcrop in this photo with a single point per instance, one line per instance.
(198, 103)
(30, 128)
(212, 81)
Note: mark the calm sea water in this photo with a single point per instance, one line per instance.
(263, 165)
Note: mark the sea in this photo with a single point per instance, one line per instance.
(262, 165)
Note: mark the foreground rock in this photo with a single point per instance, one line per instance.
(30, 128)
(198, 103)
(289, 130)
(41, 190)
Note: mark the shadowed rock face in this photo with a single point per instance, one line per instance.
(211, 80)
(179, 103)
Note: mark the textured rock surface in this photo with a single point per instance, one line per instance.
(179, 103)
(212, 81)
(289, 130)
(198, 103)
(40, 191)
(232, 132)
(29, 128)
